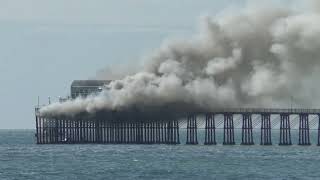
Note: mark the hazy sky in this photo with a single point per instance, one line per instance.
(44, 45)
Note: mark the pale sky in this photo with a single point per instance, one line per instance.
(45, 44)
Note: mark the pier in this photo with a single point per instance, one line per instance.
(108, 129)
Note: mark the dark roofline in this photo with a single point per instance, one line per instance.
(87, 83)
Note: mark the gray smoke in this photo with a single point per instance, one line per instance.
(262, 57)
(315, 5)
(117, 71)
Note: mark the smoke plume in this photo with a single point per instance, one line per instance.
(261, 57)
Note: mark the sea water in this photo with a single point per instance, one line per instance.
(21, 158)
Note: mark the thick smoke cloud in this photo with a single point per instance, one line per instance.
(258, 58)
(315, 5)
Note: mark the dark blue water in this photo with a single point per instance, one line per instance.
(21, 158)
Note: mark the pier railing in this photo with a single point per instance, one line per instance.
(265, 110)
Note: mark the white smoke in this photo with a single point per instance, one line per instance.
(259, 58)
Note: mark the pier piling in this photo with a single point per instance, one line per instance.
(265, 138)
(304, 136)
(318, 130)
(247, 136)
(210, 130)
(192, 137)
(228, 129)
(285, 131)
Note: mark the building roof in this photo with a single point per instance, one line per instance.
(93, 83)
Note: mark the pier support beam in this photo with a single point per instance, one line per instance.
(97, 132)
(228, 130)
(318, 130)
(265, 130)
(153, 134)
(210, 130)
(192, 130)
(285, 131)
(56, 131)
(157, 132)
(304, 136)
(37, 130)
(40, 130)
(173, 132)
(247, 136)
(139, 133)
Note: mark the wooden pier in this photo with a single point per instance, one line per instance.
(102, 129)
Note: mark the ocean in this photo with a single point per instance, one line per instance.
(21, 158)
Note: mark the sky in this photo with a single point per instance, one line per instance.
(45, 44)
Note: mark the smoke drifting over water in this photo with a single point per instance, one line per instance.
(258, 58)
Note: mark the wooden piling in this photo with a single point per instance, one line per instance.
(228, 129)
(247, 135)
(285, 130)
(304, 136)
(210, 130)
